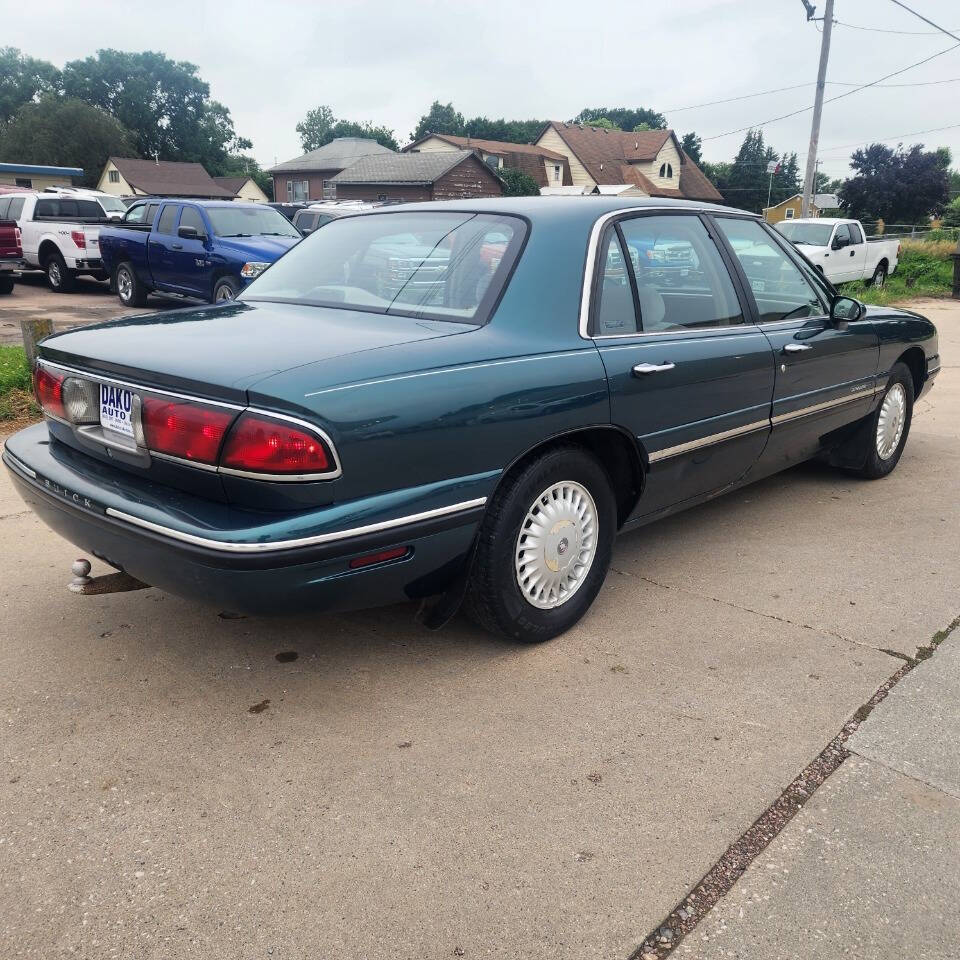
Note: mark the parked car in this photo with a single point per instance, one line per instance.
(209, 249)
(289, 210)
(317, 214)
(11, 252)
(840, 249)
(60, 231)
(482, 431)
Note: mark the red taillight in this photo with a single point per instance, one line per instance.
(48, 388)
(186, 430)
(260, 445)
(382, 557)
(78, 238)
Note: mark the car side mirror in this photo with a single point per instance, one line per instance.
(838, 243)
(845, 310)
(306, 230)
(190, 233)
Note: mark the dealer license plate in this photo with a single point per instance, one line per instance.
(116, 408)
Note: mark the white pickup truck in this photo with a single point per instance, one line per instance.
(840, 250)
(60, 232)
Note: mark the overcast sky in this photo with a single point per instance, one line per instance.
(384, 61)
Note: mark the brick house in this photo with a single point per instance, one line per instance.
(649, 163)
(310, 177)
(405, 177)
(546, 167)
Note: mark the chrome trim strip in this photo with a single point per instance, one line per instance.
(275, 545)
(691, 445)
(269, 414)
(17, 464)
(591, 260)
(826, 405)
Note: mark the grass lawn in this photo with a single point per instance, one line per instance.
(16, 393)
(925, 270)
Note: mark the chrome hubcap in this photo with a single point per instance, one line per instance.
(224, 293)
(53, 271)
(556, 545)
(893, 413)
(879, 278)
(124, 285)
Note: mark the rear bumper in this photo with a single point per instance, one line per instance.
(88, 263)
(10, 266)
(255, 575)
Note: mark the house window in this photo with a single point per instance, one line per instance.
(788, 213)
(556, 173)
(25, 182)
(666, 171)
(298, 191)
(114, 176)
(329, 190)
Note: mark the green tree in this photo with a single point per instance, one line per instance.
(510, 131)
(165, 103)
(440, 118)
(518, 184)
(692, 147)
(320, 126)
(65, 133)
(623, 118)
(745, 183)
(23, 80)
(951, 214)
(243, 165)
(896, 185)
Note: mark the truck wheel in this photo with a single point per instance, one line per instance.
(129, 288)
(225, 289)
(59, 276)
(6, 285)
(544, 547)
(879, 275)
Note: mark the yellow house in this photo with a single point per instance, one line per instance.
(29, 176)
(792, 207)
(243, 188)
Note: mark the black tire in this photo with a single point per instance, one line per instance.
(494, 598)
(130, 290)
(877, 466)
(59, 276)
(879, 277)
(6, 285)
(226, 288)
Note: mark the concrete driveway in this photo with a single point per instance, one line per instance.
(181, 783)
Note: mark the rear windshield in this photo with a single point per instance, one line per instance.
(449, 266)
(250, 222)
(812, 234)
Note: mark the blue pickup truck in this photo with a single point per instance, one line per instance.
(208, 249)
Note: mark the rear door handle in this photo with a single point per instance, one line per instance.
(642, 369)
(796, 347)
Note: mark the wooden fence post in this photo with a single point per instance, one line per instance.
(33, 332)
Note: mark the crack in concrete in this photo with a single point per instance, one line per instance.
(720, 879)
(758, 613)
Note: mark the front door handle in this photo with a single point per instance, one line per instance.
(642, 369)
(176, 246)
(796, 347)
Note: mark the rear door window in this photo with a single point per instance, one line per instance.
(4, 207)
(16, 208)
(168, 218)
(89, 208)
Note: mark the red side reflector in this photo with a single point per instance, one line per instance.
(78, 238)
(186, 430)
(259, 445)
(382, 557)
(48, 388)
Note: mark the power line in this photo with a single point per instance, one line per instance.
(900, 33)
(840, 96)
(902, 136)
(903, 6)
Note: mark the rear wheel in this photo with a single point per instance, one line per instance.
(59, 276)
(225, 289)
(544, 547)
(879, 275)
(130, 290)
(6, 285)
(890, 425)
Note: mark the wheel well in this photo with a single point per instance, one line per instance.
(615, 450)
(883, 263)
(915, 359)
(224, 273)
(47, 248)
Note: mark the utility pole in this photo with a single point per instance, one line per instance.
(808, 183)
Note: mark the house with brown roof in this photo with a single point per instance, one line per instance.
(648, 163)
(405, 177)
(546, 167)
(242, 188)
(129, 177)
(310, 176)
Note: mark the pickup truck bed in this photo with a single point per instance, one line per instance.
(11, 254)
